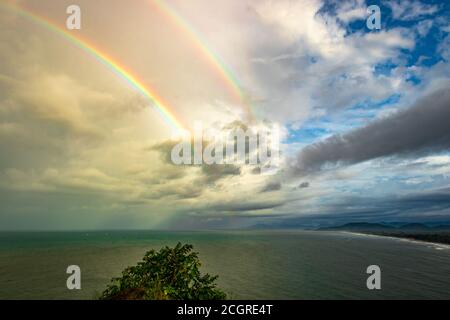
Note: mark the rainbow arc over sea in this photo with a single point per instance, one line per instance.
(120, 70)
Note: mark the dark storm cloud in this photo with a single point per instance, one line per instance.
(435, 200)
(439, 199)
(426, 206)
(425, 127)
(418, 202)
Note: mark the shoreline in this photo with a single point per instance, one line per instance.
(438, 245)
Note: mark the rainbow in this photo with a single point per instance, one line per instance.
(159, 104)
(214, 60)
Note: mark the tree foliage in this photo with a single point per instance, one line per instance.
(169, 274)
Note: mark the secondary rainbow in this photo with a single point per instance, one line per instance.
(157, 101)
(213, 59)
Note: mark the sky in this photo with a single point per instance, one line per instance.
(364, 114)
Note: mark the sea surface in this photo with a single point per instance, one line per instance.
(250, 264)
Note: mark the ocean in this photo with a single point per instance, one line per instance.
(250, 264)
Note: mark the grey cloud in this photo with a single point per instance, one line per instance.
(164, 149)
(248, 206)
(303, 185)
(425, 127)
(256, 171)
(272, 186)
(182, 191)
(216, 172)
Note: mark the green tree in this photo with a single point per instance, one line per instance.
(169, 274)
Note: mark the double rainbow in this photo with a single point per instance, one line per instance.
(157, 101)
(167, 113)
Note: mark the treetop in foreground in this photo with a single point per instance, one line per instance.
(169, 274)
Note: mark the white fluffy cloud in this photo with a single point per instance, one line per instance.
(410, 9)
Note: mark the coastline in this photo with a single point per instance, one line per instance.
(437, 245)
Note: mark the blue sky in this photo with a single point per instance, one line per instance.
(424, 54)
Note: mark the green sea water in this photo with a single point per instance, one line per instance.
(250, 264)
